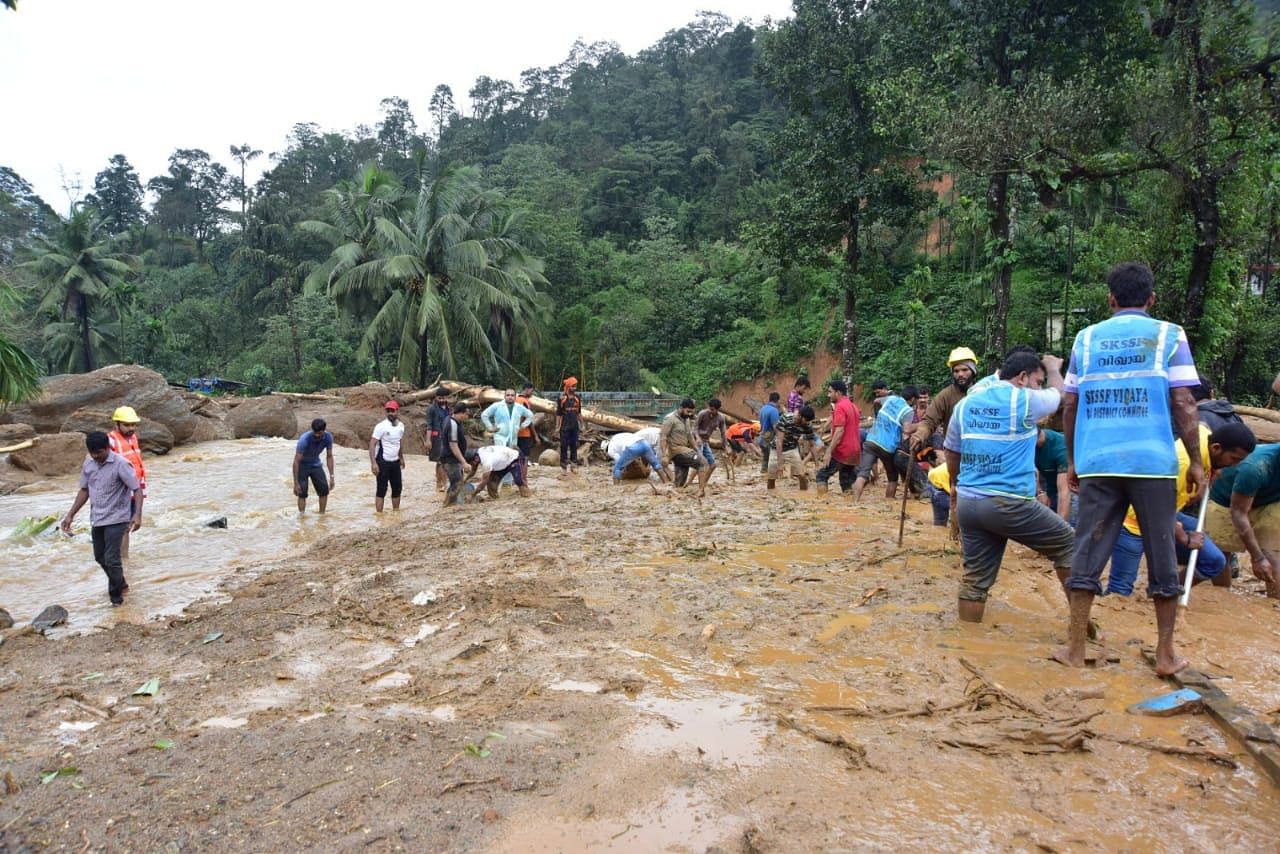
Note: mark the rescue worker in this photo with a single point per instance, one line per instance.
(124, 441)
(963, 364)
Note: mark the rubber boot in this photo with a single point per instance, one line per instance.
(771, 484)
(524, 490)
(804, 484)
(820, 486)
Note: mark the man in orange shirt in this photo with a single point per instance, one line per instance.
(526, 439)
(124, 441)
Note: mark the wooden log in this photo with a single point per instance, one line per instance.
(1244, 727)
(294, 395)
(485, 395)
(1264, 414)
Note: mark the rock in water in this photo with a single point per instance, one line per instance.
(6, 621)
(54, 615)
(220, 522)
(265, 416)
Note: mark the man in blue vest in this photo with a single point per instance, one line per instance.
(1128, 374)
(896, 412)
(991, 449)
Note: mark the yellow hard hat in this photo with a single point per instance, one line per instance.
(961, 354)
(125, 415)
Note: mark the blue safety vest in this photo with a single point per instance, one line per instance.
(887, 429)
(997, 441)
(1123, 423)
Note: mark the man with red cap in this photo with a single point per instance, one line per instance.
(385, 458)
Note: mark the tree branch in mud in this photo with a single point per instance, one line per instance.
(854, 752)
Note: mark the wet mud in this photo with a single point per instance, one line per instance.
(599, 668)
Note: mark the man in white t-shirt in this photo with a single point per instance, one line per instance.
(385, 458)
(496, 462)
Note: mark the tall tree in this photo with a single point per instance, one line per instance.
(242, 154)
(842, 167)
(78, 267)
(189, 197)
(117, 194)
(442, 109)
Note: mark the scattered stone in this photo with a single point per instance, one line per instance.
(153, 437)
(13, 434)
(220, 522)
(491, 815)
(6, 621)
(549, 458)
(54, 615)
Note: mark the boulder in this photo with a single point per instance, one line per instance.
(6, 621)
(105, 389)
(212, 417)
(13, 434)
(352, 428)
(53, 615)
(264, 416)
(153, 436)
(550, 458)
(367, 396)
(52, 455)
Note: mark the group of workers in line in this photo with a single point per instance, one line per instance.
(1124, 479)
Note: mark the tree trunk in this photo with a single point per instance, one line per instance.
(488, 394)
(86, 335)
(1001, 271)
(422, 360)
(849, 338)
(293, 332)
(1208, 222)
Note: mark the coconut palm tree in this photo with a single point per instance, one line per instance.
(439, 273)
(78, 266)
(19, 375)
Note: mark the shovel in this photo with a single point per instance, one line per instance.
(1195, 553)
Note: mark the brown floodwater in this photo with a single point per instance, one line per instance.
(175, 558)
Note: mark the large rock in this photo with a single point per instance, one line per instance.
(52, 455)
(153, 436)
(13, 434)
(264, 416)
(105, 389)
(212, 417)
(352, 428)
(367, 396)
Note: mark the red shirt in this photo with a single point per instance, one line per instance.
(850, 447)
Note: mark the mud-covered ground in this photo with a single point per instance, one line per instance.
(597, 667)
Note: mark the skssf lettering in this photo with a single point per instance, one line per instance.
(1125, 343)
(1117, 396)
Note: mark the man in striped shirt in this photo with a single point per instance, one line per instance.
(1128, 374)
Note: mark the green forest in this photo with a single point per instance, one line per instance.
(884, 178)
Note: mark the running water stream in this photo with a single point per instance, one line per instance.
(176, 558)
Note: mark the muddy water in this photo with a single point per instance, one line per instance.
(797, 635)
(175, 559)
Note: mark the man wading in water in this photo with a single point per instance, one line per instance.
(1129, 372)
(107, 481)
(385, 458)
(306, 465)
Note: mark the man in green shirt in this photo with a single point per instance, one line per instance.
(1051, 469)
(1244, 512)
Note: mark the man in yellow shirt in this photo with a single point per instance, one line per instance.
(1225, 447)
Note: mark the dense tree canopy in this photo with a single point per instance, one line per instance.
(884, 178)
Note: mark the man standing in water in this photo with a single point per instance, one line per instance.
(385, 457)
(124, 441)
(306, 465)
(437, 417)
(108, 482)
(454, 456)
(1130, 372)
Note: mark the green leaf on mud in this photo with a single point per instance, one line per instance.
(496, 735)
(211, 637)
(162, 744)
(90, 676)
(149, 688)
(66, 771)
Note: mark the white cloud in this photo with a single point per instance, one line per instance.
(86, 79)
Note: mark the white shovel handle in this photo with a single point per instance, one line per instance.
(1195, 553)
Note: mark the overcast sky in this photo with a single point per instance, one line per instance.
(85, 79)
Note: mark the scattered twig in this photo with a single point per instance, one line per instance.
(1214, 756)
(856, 753)
(993, 687)
(871, 594)
(461, 784)
(310, 791)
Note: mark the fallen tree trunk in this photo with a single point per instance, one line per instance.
(294, 395)
(1253, 411)
(489, 394)
(21, 446)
